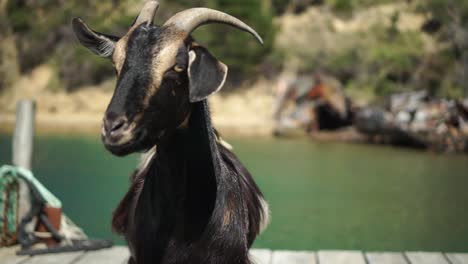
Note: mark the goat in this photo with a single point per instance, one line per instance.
(191, 200)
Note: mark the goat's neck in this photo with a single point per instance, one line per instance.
(180, 187)
(193, 145)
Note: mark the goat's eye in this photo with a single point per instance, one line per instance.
(178, 68)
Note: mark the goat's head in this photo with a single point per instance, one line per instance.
(160, 72)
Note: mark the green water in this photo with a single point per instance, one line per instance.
(322, 196)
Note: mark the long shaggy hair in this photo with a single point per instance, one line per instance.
(191, 201)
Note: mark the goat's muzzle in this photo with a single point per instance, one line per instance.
(116, 131)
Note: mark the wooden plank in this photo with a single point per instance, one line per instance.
(8, 256)
(293, 257)
(59, 258)
(260, 256)
(458, 258)
(119, 255)
(426, 258)
(115, 255)
(385, 258)
(341, 257)
(24, 133)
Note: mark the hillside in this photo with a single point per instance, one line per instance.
(373, 49)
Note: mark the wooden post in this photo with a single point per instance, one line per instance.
(23, 139)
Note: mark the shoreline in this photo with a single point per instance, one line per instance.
(90, 124)
(247, 112)
(79, 125)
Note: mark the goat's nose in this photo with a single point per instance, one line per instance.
(115, 125)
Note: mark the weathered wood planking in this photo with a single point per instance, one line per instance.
(458, 258)
(115, 255)
(8, 256)
(341, 257)
(119, 255)
(61, 258)
(293, 257)
(261, 256)
(426, 258)
(385, 258)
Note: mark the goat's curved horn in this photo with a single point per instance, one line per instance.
(147, 13)
(191, 19)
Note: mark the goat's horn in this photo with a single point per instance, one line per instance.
(191, 19)
(147, 13)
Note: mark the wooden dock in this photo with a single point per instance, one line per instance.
(119, 255)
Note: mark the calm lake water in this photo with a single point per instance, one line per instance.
(322, 196)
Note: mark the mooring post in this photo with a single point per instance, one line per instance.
(23, 139)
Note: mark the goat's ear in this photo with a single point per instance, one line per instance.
(99, 43)
(206, 74)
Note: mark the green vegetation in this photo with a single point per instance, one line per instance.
(390, 55)
(237, 49)
(380, 60)
(44, 35)
(448, 24)
(385, 63)
(347, 7)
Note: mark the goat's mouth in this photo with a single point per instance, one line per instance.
(125, 143)
(138, 141)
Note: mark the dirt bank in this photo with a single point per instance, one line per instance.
(247, 112)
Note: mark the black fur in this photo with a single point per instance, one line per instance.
(194, 204)
(135, 75)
